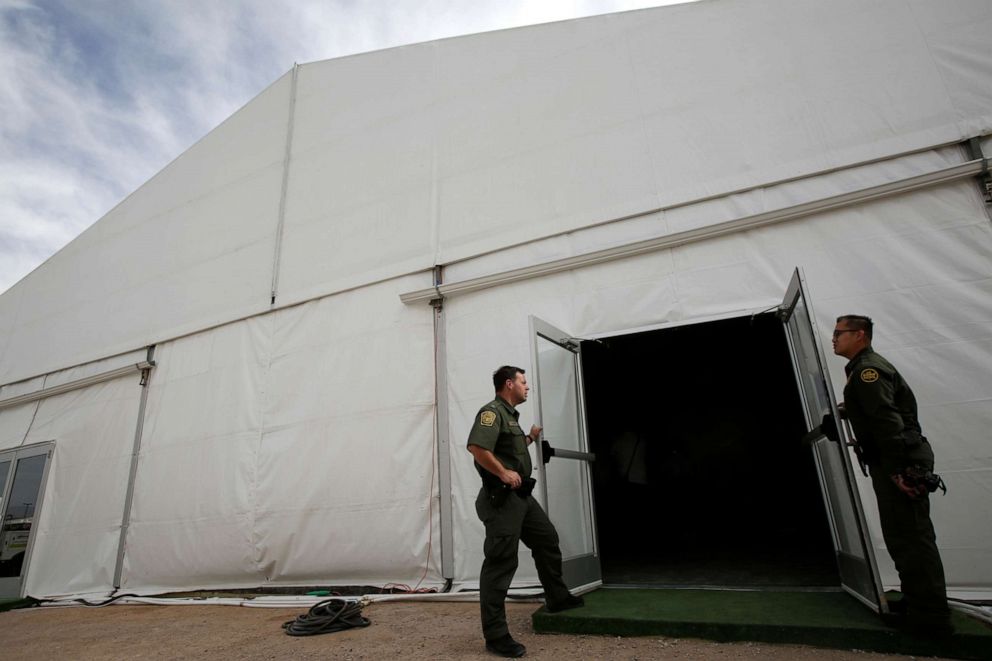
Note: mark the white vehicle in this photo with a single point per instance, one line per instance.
(14, 539)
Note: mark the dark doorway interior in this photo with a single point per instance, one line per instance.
(701, 478)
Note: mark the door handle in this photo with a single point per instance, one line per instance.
(547, 451)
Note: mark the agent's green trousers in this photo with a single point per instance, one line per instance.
(516, 520)
(911, 541)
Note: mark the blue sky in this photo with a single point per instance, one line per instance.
(96, 96)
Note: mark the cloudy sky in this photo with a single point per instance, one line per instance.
(96, 96)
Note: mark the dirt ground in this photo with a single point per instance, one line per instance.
(409, 630)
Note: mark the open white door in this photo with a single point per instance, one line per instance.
(565, 482)
(855, 557)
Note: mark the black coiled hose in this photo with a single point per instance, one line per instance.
(327, 617)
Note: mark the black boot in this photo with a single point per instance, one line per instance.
(566, 604)
(929, 626)
(506, 646)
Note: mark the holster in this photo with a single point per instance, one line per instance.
(526, 487)
(497, 495)
(497, 492)
(923, 478)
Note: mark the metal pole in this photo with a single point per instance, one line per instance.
(441, 419)
(129, 496)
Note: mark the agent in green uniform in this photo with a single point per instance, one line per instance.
(882, 409)
(509, 512)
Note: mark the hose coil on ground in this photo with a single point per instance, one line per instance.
(327, 617)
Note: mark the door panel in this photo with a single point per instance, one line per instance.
(22, 478)
(565, 482)
(855, 556)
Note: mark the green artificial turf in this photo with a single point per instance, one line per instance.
(824, 619)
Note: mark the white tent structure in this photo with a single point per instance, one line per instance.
(259, 369)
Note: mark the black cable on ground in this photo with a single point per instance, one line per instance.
(327, 617)
(104, 603)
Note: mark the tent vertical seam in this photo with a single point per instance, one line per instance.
(281, 220)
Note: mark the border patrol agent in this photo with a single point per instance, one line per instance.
(882, 409)
(509, 512)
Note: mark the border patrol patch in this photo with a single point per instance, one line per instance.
(487, 418)
(869, 375)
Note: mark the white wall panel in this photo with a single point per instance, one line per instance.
(192, 514)
(546, 137)
(292, 448)
(14, 424)
(711, 97)
(15, 420)
(439, 151)
(959, 44)
(77, 534)
(360, 200)
(346, 479)
(479, 142)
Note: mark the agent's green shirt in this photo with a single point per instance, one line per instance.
(882, 409)
(497, 429)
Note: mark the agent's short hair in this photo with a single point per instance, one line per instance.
(503, 373)
(858, 322)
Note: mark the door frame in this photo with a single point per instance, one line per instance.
(582, 571)
(13, 586)
(871, 593)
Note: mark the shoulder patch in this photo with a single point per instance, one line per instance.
(869, 375)
(487, 418)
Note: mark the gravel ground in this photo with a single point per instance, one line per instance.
(409, 630)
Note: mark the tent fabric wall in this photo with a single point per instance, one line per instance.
(41, 387)
(917, 263)
(434, 153)
(361, 172)
(295, 448)
(78, 531)
(191, 512)
(642, 119)
(457, 151)
(771, 197)
(349, 422)
(16, 420)
(294, 443)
